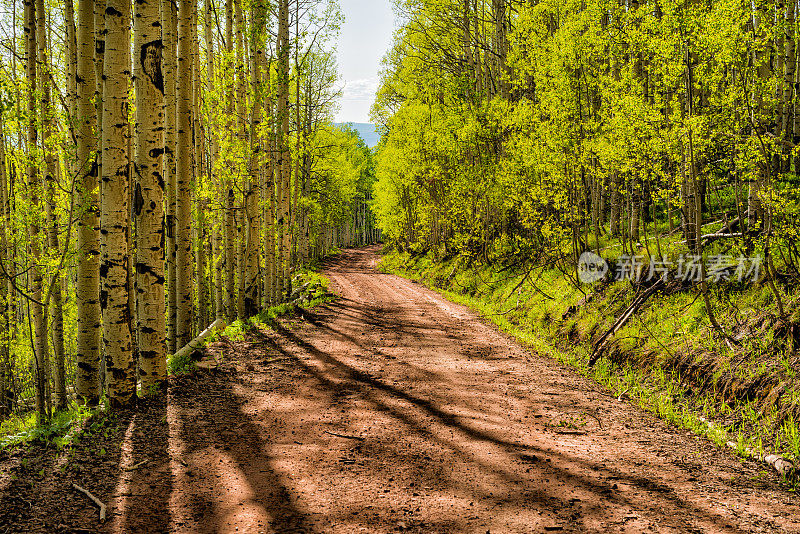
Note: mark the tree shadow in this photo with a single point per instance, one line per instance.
(229, 472)
(334, 374)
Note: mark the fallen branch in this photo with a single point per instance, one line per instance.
(137, 466)
(781, 465)
(623, 319)
(784, 467)
(345, 436)
(95, 500)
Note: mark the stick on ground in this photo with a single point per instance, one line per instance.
(345, 436)
(95, 500)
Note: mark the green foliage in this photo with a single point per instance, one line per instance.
(21, 429)
(180, 365)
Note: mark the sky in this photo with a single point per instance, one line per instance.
(366, 36)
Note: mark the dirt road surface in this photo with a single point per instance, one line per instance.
(394, 410)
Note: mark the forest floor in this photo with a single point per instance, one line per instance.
(389, 410)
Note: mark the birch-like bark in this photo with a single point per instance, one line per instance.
(148, 197)
(169, 68)
(87, 288)
(216, 255)
(114, 208)
(241, 135)
(49, 187)
(36, 310)
(252, 283)
(230, 213)
(183, 202)
(284, 156)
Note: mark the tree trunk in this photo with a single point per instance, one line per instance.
(54, 295)
(284, 156)
(87, 290)
(114, 209)
(169, 72)
(230, 204)
(148, 196)
(252, 284)
(183, 202)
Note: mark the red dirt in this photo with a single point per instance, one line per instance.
(391, 410)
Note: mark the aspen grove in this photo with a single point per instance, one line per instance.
(165, 167)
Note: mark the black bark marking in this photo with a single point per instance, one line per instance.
(150, 58)
(113, 12)
(138, 200)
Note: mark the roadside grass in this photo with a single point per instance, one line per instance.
(60, 430)
(665, 359)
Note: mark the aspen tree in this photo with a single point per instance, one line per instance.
(270, 297)
(199, 176)
(71, 59)
(241, 136)
(183, 203)
(252, 284)
(217, 267)
(87, 290)
(114, 208)
(284, 162)
(53, 297)
(148, 208)
(169, 72)
(36, 309)
(6, 365)
(230, 213)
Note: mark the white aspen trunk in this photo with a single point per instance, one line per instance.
(284, 161)
(230, 200)
(87, 289)
(49, 187)
(114, 209)
(252, 284)
(241, 136)
(183, 202)
(216, 255)
(148, 195)
(198, 167)
(169, 71)
(36, 310)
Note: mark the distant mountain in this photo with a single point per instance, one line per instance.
(366, 130)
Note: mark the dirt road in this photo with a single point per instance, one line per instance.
(393, 410)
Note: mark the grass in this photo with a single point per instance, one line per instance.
(21, 429)
(666, 359)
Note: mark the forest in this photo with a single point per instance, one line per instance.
(560, 294)
(525, 142)
(163, 167)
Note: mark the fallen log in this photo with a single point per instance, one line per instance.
(637, 303)
(197, 342)
(781, 465)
